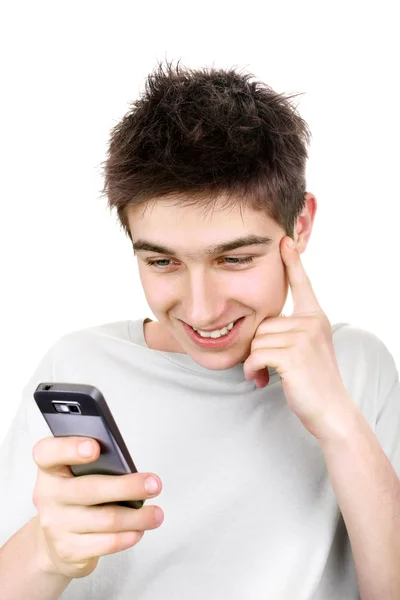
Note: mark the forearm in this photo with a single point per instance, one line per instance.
(368, 493)
(21, 573)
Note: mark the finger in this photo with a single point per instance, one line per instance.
(88, 490)
(304, 299)
(83, 547)
(262, 358)
(113, 518)
(53, 454)
(271, 338)
(262, 378)
(272, 331)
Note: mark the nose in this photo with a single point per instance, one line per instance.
(203, 300)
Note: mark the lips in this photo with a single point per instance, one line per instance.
(217, 328)
(210, 343)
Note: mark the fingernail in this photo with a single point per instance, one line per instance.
(86, 449)
(151, 485)
(159, 516)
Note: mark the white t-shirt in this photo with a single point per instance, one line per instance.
(250, 513)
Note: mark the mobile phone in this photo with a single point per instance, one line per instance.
(74, 409)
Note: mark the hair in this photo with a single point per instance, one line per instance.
(205, 135)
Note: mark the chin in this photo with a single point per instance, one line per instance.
(217, 362)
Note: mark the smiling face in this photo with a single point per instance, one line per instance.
(194, 283)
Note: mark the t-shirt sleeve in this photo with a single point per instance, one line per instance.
(387, 424)
(18, 470)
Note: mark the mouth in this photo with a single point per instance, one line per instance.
(214, 339)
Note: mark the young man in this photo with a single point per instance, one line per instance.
(275, 438)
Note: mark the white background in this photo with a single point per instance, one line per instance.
(68, 72)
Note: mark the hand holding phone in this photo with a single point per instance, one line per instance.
(85, 503)
(79, 519)
(81, 409)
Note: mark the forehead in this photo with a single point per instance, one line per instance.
(169, 216)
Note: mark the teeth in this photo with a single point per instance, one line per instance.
(217, 333)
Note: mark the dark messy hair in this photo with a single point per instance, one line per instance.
(204, 135)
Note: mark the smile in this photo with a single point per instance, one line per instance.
(219, 338)
(216, 333)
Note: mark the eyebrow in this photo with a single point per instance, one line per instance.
(248, 240)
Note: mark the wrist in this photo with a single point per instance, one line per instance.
(341, 422)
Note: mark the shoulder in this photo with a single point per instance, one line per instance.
(354, 340)
(363, 355)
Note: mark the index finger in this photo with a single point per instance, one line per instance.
(304, 298)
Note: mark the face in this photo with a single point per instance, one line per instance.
(187, 286)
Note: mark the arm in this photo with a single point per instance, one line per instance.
(23, 569)
(368, 493)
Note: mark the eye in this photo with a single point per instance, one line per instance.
(159, 260)
(239, 261)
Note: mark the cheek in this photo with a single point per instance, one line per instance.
(264, 289)
(157, 290)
